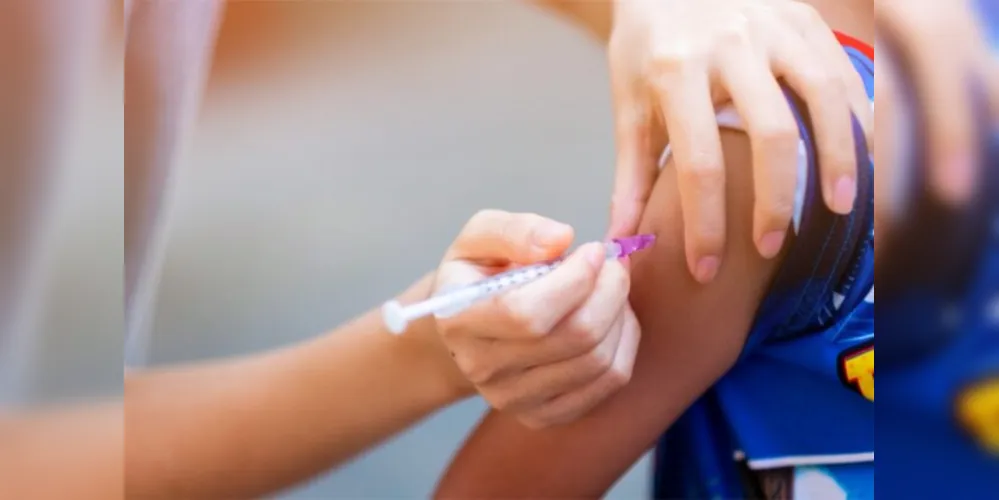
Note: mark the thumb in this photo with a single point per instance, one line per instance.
(499, 237)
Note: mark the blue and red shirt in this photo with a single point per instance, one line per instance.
(802, 393)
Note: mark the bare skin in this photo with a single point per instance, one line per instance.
(219, 393)
(159, 112)
(693, 335)
(250, 426)
(64, 453)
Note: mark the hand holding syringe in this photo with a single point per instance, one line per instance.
(544, 341)
(397, 316)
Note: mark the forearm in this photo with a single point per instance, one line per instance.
(75, 453)
(251, 426)
(595, 16)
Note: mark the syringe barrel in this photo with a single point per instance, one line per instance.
(459, 299)
(427, 307)
(451, 302)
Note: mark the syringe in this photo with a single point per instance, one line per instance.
(397, 316)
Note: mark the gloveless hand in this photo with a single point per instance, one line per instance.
(673, 62)
(554, 348)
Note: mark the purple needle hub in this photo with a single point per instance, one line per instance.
(632, 244)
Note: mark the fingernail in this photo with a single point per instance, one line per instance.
(707, 268)
(958, 179)
(551, 233)
(844, 194)
(595, 255)
(771, 243)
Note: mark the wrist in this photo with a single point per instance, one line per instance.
(434, 358)
(449, 382)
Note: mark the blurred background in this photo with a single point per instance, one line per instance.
(340, 148)
(61, 326)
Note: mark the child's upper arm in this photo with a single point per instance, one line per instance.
(692, 334)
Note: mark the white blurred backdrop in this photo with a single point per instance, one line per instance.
(330, 172)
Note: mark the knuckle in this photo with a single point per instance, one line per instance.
(476, 371)
(549, 415)
(519, 315)
(777, 209)
(525, 226)
(496, 400)
(673, 59)
(822, 81)
(583, 276)
(805, 12)
(464, 362)
(534, 328)
(454, 329)
(707, 239)
(585, 332)
(446, 328)
(503, 401)
(562, 417)
(476, 375)
(734, 34)
(516, 227)
(486, 217)
(843, 164)
(533, 422)
(601, 359)
(780, 138)
(840, 155)
(702, 175)
(508, 307)
(618, 378)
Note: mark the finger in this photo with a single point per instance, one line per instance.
(689, 115)
(532, 310)
(535, 386)
(829, 49)
(774, 138)
(578, 334)
(886, 148)
(939, 67)
(952, 127)
(636, 166)
(474, 358)
(501, 237)
(456, 273)
(974, 40)
(813, 28)
(573, 405)
(990, 65)
(825, 95)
